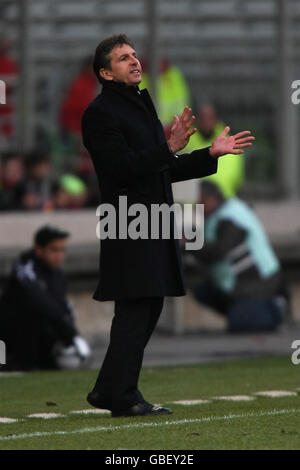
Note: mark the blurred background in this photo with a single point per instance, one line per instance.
(232, 61)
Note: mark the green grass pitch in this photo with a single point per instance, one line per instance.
(261, 423)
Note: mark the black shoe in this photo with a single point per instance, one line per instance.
(99, 401)
(142, 409)
(95, 399)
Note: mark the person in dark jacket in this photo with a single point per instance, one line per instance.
(132, 158)
(36, 190)
(36, 320)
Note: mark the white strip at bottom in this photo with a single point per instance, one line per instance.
(90, 411)
(207, 419)
(235, 398)
(275, 393)
(189, 402)
(45, 415)
(8, 420)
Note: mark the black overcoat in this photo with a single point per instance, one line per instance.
(126, 142)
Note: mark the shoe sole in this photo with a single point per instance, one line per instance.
(118, 415)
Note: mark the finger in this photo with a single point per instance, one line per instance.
(190, 123)
(237, 152)
(241, 146)
(245, 139)
(183, 114)
(191, 132)
(225, 131)
(186, 114)
(175, 122)
(241, 134)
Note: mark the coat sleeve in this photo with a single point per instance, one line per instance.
(196, 164)
(111, 153)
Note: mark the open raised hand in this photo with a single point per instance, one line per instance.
(181, 130)
(224, 144)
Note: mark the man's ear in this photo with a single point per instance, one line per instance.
(106, 74)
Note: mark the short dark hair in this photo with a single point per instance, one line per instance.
(211, 189)
(8, 156)
(47, 234)
(104, 48)
(35, 157)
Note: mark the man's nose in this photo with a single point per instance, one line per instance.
(134, 60)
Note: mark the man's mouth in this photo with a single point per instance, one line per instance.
(135, 71)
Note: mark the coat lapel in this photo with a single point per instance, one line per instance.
(141, 98)
(148, 102)
(129, 93)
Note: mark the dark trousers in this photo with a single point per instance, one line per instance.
(244, 314)
(131, 329)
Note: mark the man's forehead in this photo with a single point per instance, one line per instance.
(121, 49)
(57, 242)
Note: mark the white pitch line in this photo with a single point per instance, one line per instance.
(235, 398)
(45, 415)
(90, 411)
(207, 419)
(189, 402)
(275, 393)
(8, 420)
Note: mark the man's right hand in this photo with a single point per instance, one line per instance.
(181, 130)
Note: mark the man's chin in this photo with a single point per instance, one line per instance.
(135, 80)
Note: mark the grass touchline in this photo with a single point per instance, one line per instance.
(143, 425)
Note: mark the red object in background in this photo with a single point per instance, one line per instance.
(8, 72)
(80, 93)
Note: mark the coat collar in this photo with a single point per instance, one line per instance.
(141, 98)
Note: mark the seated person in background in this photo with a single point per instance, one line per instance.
(72, 193)
(36, 320)
(12, 173)
(242, 274)
(81, 91)
(36, 191)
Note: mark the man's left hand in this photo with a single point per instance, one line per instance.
(233, 144)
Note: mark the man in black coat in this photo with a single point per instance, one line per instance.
(132, 158)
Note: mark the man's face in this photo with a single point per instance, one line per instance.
(124, 66)
(13, 171)
(41, 170)
(53, 253)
